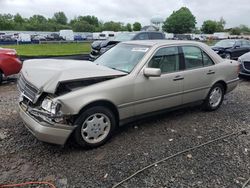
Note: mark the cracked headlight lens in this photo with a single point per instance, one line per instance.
(51, 106)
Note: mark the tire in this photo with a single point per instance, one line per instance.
(1, 77)
(214, 98)
(228, 56)
(99, 129)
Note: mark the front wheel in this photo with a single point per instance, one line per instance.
(215, 97)
(95, 126)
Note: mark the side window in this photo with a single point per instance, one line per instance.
(245, 44)
(167, 59)
(207, 61)
(142, 36)
(193, 57)
(238, 43)
(156, 36)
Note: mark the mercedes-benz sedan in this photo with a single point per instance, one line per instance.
(89, 100)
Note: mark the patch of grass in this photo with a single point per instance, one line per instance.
(51, 49)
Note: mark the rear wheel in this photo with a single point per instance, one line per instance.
(215, 97)
(95, 126)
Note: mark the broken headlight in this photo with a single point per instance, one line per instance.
(51, 106)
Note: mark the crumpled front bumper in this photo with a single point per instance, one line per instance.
(56, 134)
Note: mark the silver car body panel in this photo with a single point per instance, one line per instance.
(132, 94)
(45, 74)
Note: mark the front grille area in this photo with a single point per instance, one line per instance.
(247, 65)
(27, 90)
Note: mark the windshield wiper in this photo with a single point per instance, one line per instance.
(118, 69)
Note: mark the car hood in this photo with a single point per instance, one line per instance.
(245, 57)
(46, 74)
(218, 48)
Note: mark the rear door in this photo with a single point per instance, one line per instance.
(198, 75)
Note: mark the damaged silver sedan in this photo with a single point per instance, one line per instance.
(89, 100)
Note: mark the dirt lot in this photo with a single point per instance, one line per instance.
(225, 163)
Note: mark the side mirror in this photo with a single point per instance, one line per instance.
(152, 72)
(237, 46)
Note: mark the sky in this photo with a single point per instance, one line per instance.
(235, 12)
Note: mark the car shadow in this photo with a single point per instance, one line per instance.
(144, 122)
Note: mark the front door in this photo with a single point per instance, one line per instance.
(157, 93)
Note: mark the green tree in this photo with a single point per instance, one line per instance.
(18, 19)
(60, 18)
(112, 26)
(180, 21)
(244, 29)
(129, 27)
(6, 22)
(92, 20)
(79, 25)
(37, 23)
(136, 26)
(235, 31)
(221, 24)
(209, 27)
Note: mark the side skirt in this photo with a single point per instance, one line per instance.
(150, 114)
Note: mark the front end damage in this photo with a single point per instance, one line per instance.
(48, 125)
(41, 112)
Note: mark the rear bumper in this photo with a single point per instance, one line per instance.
(56, 134)
(232, 84)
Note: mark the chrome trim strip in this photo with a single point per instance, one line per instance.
(232, 81)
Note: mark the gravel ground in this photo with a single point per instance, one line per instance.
(225, 163)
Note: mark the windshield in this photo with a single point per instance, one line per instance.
(225, 43)
(123, 57)
(124, 37)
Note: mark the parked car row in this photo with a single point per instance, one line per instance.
(101, 46)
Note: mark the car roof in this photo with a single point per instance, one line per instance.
(161, 42)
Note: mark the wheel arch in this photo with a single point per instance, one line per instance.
(223, 83)
(105, 103)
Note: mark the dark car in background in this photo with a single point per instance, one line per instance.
(100, 47)
(54, 37)
(244, 61)
(232, 48)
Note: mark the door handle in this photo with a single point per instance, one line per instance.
(178, 77)
(210, 72)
